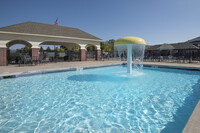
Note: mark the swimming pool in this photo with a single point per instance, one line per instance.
(99, 100)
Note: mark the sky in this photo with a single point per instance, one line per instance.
(156, 21)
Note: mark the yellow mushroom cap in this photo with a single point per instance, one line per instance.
(130, 40)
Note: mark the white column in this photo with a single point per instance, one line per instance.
(98, 47)
(3, 43)
(35, 44)
(82, 46)
(3, 53)
(129, 58)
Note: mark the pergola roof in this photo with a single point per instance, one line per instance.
(48, 29)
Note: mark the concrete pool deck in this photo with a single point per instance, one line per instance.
(16, 69)
(193, 124)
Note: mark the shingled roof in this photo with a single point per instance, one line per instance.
(197, 39)
(184, 45)
(48, 29)
(180, 45)
(154, 47)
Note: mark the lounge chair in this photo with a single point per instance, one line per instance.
(27, 59)
(42, 59)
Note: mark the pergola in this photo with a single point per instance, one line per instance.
(33, 34)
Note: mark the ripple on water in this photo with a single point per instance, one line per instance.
(95, 100)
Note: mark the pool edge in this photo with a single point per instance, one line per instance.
(193, 123)
(90, 67)
(8, 76)
(173, 67)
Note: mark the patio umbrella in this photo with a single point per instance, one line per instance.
(166, 47)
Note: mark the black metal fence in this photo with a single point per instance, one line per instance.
(57, 56)
(182, 56)
(91, 55)
(16, 56)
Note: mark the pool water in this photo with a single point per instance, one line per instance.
(99, 100)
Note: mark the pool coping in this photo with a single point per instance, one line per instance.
(31, 73)
(193, 123)
(173, 67)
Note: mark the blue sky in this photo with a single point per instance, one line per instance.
(156, 21)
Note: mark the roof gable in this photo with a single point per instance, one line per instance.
(48, 29)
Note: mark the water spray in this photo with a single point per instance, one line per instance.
(135, 48)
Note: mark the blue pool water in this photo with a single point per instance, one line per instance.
(99, 100)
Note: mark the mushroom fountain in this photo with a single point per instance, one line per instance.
(134, 47)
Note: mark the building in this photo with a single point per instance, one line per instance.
(195, 41)
(34, 34)
(188, 49)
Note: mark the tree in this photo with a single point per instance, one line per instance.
(147, 47)
(26, 50)
(107, 46)
(61, 49)
(111, 43)
(17, 51)
(56, 49)
(90, 48)
(48, 49)
(102, 45)
(41, 49)
(56, 52)
(76, 48)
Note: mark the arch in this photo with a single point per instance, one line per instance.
(13, 42)
(88, 45)
(90, 52)
(15, 56)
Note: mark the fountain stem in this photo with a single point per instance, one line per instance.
(129, 59)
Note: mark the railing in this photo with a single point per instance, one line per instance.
(91, 55)
(172, 59)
